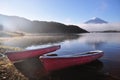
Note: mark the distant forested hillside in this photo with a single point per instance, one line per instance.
(14, 23)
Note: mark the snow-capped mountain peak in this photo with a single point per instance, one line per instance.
(95, 20)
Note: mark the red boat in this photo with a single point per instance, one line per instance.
(53, 62)
(21, 55)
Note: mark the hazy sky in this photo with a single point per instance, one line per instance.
(66, 11)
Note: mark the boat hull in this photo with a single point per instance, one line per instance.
(21, 55)
(52, 64)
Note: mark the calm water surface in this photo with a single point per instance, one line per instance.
(108, 65)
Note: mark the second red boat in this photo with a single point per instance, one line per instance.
(53, 62)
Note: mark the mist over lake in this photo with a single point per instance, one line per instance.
(73, 44)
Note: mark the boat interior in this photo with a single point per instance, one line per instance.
(73, 55)
(54, 55)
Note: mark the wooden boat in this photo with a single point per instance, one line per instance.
(21, 55)
(53, 62)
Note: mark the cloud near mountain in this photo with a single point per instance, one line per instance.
(98, 24)
(101, 27)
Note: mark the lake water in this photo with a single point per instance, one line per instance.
(107, 66)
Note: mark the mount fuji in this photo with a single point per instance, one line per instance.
(95, 20)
